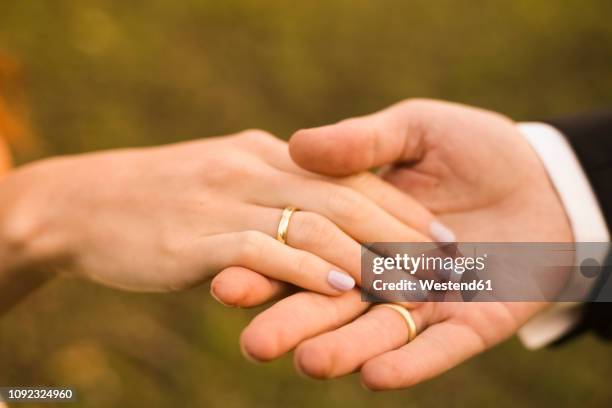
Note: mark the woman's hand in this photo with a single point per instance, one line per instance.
(167, 218)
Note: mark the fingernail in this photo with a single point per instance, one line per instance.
(340, 281)
(441, 233)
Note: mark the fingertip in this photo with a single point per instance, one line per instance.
(258, 344)
(313, 361)
(374, 377)
(441, 233)
(340, 282)
(326, 150)
(299, 137)
(241, 287)
(304, 149)
(247, 355)
(380, 375)
(228, 292)
(217, 297)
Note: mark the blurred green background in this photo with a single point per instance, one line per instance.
(105, 74)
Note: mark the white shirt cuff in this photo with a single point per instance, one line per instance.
(585, 216)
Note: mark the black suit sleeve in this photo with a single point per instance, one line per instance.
(591, 138)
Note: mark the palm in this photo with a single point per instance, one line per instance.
(477, 169)
(478, 326)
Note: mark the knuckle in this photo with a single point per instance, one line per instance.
(240, 167)
(313, 227)
(422, 113)
(256, 136)
(345, 204)
(305, 264)
(416, 103)
(17, 234)
(251, 245)
(231, 168)
(27, 233)
(172, 252)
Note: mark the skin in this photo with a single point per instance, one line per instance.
(155, 219)
(5, 158)
(474, 171)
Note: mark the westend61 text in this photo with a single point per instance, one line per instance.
(430, 284)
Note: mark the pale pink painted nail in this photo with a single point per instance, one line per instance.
(441, 233)
(340, 281)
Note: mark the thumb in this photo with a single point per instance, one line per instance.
(396, 134)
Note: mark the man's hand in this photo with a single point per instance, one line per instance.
(469, 166)
(475, 171)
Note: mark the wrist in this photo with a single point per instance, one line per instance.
(27, 240)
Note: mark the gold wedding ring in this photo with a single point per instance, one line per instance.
(412, 330)
(283, 225)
